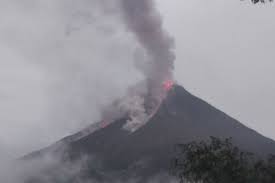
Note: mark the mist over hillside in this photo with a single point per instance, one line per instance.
(98, 90)
(114, 153)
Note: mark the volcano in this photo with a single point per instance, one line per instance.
(148, 151)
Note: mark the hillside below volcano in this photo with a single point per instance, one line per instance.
(146, 152)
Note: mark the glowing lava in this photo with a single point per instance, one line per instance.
(140, 114)
(104, 124)
(168, 85)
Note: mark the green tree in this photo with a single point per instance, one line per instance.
(219, 161)
(260, 1)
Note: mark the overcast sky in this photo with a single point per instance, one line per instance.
(61, 62)
(225, 54)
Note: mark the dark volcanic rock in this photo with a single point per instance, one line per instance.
(146, 152)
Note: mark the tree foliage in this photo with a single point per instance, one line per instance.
(219, 161)
(260, 1)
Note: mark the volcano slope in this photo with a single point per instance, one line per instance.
(146, 152)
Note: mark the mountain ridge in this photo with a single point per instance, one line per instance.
(181, 118)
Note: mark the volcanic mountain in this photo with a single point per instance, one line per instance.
(147, 151)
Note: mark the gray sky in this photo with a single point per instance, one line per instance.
(225, 55)
(62, 61)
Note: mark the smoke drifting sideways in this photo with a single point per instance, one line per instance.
(154, 58)
(65, 60)
(94, 35)
(87, 54)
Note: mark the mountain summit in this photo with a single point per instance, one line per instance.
(146, 152)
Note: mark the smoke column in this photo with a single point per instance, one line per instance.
(142, 18)
(156, 60)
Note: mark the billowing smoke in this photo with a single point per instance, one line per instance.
(155, 60)
(68, 41)
(142, 18)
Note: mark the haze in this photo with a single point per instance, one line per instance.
(57, 70)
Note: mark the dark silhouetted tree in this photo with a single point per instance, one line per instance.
(219, 161)
(260, 1)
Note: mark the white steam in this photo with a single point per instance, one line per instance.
(87, 58)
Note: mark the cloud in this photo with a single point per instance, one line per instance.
(61, 63)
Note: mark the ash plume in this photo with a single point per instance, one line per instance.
(142, 18)
(154, 60)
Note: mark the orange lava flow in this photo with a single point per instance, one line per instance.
(168, 85)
